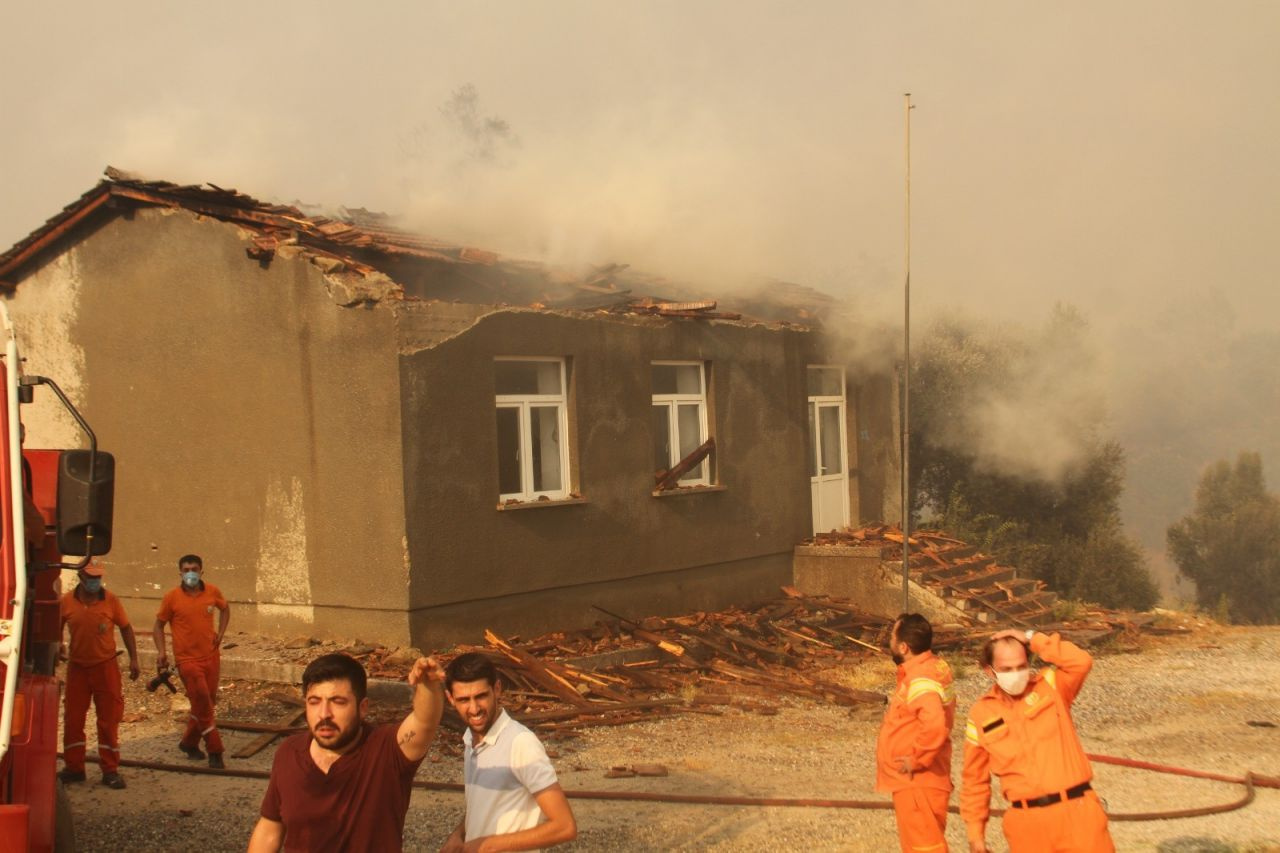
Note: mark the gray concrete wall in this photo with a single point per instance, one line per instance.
(859, 573)
(253, 420)
(623, 544)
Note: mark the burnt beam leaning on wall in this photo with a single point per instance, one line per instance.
(670, 478)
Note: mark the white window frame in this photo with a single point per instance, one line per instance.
(672, 402)
(524, 403)
(815, 453)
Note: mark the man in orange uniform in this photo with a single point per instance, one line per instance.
(189, 611)
(90, 612)
(913, 752)
(1021, 730)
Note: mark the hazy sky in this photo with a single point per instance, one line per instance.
(1122, 156)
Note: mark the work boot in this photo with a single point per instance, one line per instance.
(112, 780)
(215, 761)
(192, 752)
(69, 776)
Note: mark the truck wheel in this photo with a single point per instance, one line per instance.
(64, 828)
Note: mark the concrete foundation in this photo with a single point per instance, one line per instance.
(860, 574)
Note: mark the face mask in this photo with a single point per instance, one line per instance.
(1013, 683)
(190, 579)
(92, 585)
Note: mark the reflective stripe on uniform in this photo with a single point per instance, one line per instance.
(206, 731)
(921, 686)
(73, 745)
(971, 732)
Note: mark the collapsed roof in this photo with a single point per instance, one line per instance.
(363, 242)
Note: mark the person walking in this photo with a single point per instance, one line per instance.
(89, 614)
(188, 610)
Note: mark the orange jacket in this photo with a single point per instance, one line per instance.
(93, 636)
(1029, 742)
(918, 723)
(190, 618)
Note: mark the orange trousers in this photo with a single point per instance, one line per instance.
(101, 683)
(1071, 826)
(200, 678)
(922, 819)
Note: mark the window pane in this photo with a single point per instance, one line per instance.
(527, 377)
(677, 379)
(689, 424)
(544, 428)
(813, 442)
(509, 451)
(824, 382)
(661, 438)
(830, 429)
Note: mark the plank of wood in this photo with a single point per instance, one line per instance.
(264, 740)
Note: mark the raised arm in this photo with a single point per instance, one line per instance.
(419, 728)
(1073, 663)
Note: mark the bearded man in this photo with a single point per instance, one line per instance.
(344, 784)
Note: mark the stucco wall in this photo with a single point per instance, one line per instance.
(253, 420)
(730, 545)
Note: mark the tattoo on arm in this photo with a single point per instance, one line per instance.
(407, 736)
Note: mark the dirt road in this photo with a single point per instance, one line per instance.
(1188, 702)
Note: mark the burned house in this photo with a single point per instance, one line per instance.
(371, 434)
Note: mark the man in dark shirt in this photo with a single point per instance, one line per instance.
(345, 785)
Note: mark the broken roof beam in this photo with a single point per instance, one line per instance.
(671, 478)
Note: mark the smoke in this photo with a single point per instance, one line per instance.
(1023, 401)
(1082, 156)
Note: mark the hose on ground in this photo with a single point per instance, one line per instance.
(1249, 780)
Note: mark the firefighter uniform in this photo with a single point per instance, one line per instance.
(191, 622)
(92, 673)
(1030, 743)
(918, 724)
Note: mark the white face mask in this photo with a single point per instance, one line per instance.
(1014, 682)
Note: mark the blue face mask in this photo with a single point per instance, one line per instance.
(92, 585)
(191, 579)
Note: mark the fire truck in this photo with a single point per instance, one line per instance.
(68, 494)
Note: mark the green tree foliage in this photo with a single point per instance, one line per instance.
(1008, 452)
(1230, 543)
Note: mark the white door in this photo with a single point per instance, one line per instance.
(828, 471)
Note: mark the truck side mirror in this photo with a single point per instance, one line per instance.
(84, 503)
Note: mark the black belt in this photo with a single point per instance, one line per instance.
(1073, 793)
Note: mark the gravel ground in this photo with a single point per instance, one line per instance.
(1184, 702)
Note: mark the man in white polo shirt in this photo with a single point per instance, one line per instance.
(513, 799)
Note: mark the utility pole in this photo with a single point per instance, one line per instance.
(906, 381)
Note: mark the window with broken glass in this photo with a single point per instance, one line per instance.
(680, 417)
(533, 460)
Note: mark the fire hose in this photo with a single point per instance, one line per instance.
(1249, 780)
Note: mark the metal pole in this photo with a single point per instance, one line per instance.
(906, 381)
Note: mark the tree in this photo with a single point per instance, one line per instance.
(1008, 451)
(1230, 543)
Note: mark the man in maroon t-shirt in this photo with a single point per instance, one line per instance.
(344, 786)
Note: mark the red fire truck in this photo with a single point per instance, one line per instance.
(69, 492)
